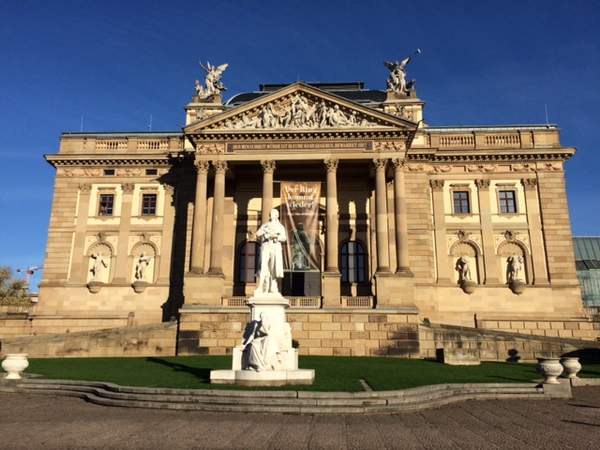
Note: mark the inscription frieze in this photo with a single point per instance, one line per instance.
(298, 146)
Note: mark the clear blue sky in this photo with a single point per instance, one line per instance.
(117, 62)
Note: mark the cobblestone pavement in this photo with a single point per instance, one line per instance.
(31, 422)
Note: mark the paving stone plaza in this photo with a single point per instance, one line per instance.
(29, 421)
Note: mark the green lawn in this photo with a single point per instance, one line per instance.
(332, 374)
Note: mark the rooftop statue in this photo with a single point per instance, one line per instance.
(396, 81)
(213, 84)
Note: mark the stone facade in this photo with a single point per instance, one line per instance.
(391, 185)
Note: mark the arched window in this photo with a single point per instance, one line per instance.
(248, 258)
(353, 260)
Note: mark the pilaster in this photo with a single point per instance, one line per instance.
(490, 260)
(538, 252)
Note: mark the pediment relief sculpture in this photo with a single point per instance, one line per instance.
(298, 111)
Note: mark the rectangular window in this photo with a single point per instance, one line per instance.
(151, 172)
(109, 172)
(148, 204)
(461, 202)
(105, 204)
(508, 202)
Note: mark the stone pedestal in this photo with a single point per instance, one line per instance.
(284, 370)
(394, 289)
(204, 289)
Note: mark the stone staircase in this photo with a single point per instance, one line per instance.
(293, 402)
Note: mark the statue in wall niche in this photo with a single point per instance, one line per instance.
(463, 269)
(396, 81)
(514, 268)
(141, 264)
(99, 265)
(262, 346)
(270, 235)
(213, 84)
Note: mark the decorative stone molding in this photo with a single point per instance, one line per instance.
(399, 164)
(482, 183)
(441, 168)
(79, 172)
(436, 184)
(220, 166)
(463, 236)
(128, 187)
(485, 168)
(85, 187)
(510, 236)
(389, 146)
(331, 164)
(268, 165)
(380, 163)
(552, 166)
(524, 167)
(211, 148)
(130, 172)
(201, 165)
(529, 183)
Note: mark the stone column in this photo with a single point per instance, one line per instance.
(439, 219)
(79, 267)
(332, 216)
(487, 233)
(164, 270)
(199, 229)
(267, 194)
(121, 269)
(383, 257)
(538, 253)
(216, 241)
(402, 264)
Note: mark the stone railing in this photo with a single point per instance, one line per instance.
(154, 144)
(111, 144)
(365, 301)
(459, 141)
(295, 302)
(503, 140)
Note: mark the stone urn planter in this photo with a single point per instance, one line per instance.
(571, 366)
(95, 286)
(517, 287)
(139, 286)
(551, 368)
(468, 286)
(14, 364)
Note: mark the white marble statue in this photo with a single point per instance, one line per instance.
(270, 235)
(261, 347)
(213, 84)
(141, 264)
(98, 266)
(514, 268)
(396, 81)
(463, 269)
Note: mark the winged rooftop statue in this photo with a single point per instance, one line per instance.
(213, 84)
(396, 81)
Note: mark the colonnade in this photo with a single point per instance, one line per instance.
(332, 219)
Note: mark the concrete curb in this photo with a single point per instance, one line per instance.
(293, 402)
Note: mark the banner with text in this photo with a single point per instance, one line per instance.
(300, 217)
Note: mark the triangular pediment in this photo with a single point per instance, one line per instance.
(299, 107)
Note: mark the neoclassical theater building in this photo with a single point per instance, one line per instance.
(390, 221)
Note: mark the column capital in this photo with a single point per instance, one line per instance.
(220, 166)
(85, 187)
(268, 165)
(380, 163)
(436, 184)
(398, 163)
(169, 188)
(201, 165)
(128, 187)
(331, 164)
(483, 183)
(529, 183)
